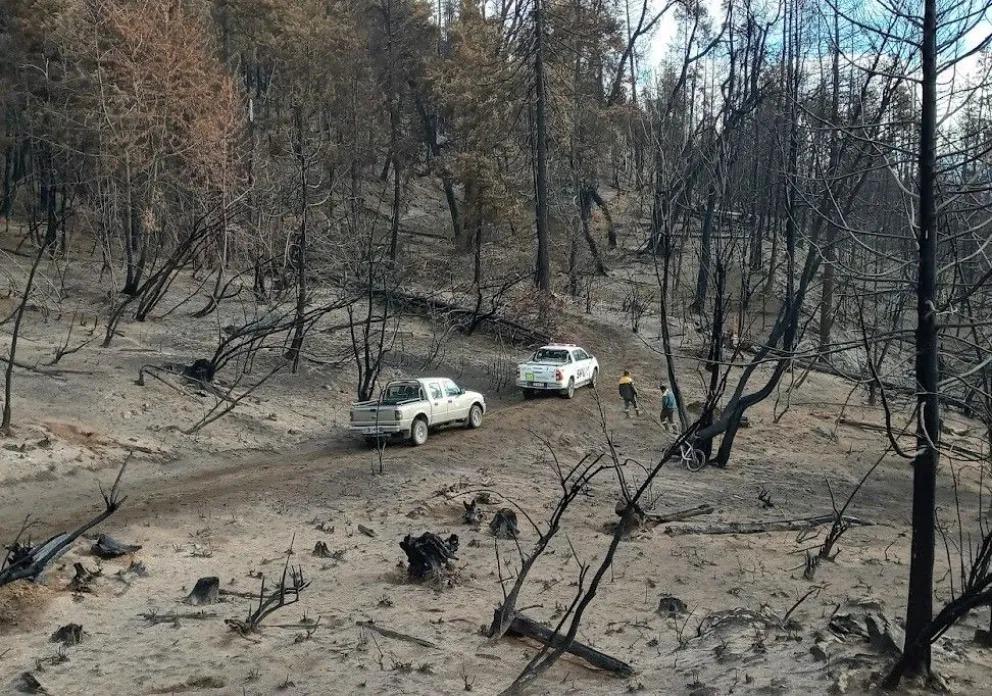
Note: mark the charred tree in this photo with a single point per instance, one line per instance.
(919, 605)
(543, 272)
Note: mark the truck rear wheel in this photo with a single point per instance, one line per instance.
(419, 432)
(570, 389)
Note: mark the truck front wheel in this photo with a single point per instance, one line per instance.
(475, 416)
(419, 431)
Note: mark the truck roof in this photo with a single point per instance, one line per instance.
(418, 379)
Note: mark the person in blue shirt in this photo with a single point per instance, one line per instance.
(668, 406)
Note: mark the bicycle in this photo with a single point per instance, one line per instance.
(692, 458)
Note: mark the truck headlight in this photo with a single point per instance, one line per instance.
(397, 414)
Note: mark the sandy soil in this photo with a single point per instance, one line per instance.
(281, 473)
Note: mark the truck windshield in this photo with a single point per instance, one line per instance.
(549, 355)
(400, 392)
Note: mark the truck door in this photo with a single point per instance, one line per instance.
(457, 402)
(583, 366)
(439, 403)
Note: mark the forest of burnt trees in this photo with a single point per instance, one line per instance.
(809, 176)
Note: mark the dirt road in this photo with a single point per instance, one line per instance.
(340, 465)
(322, 469)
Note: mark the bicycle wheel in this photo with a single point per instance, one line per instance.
(694, 460)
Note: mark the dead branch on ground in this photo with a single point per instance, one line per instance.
(64, 349)
(287, 592)
(759, 527)
(396, 635)
(26, 562)
(228, 401)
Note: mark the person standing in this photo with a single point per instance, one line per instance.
(628, 392)
(668, 406)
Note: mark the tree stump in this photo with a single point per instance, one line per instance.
(428, 555)
(70, 634)
(202, 370)
(630, 522)
(472, 514)
(504, 524)
(206, 591)
(670, 605)
(81, 580)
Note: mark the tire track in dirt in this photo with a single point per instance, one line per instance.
(329, 468)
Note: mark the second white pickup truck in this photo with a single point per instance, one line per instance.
(560, 367)
(411, 408)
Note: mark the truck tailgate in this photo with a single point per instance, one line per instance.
(535, 372)
(371, 414)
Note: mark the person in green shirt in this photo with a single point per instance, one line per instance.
(668, 406)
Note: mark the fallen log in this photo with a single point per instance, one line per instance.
(389, 633)
(174, 618)
(786, 525)
(528, 628)
(666, 517)
(947, 445)
(107, 547)
(640, 518)
(515, 331)
(679, 515)
(871, 426)
(48, 372)
(24, 562)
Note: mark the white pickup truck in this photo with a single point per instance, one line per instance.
(560, 367)
(410, 408)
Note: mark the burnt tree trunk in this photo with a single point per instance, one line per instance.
(299, 248)
(14, 333)
(429, 123)
(705, 244)
(919, 606)
(666, 334)
(131, 233)
(715, 354)
(830, 252)
(587, 195)
(7, 193)
(543, 272)
(611, 229)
